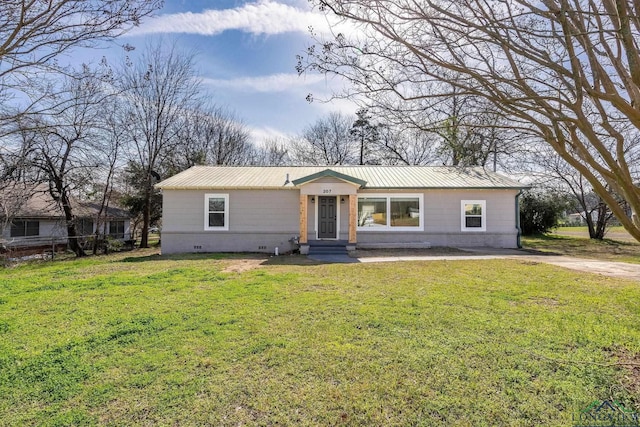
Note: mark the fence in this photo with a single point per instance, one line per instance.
(46, 247)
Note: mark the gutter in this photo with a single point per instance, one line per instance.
(518, 242)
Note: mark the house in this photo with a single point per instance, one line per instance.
(31, 221)
(256, 209)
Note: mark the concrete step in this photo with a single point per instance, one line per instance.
(318, 243)
(328, 248)
(328, 251)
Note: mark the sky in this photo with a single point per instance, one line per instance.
(246, 57)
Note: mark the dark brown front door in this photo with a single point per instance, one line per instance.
(326, 217)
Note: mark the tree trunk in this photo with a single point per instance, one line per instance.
(146, 215)
(601, 222)
(72, 235)
(589, 219)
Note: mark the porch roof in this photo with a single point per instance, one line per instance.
(329, 173)
(373, 177)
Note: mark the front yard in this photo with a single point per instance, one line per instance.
(622, 250)
(142, 339)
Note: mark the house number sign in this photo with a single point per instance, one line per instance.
(326, 191)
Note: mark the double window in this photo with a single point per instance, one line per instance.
(474, 213)
(216, 211)
(25, 228)
(390, 212)
(116, 229)
(85, 227)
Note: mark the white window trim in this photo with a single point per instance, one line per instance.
(206, 211)
(388, 196)
(483, 204)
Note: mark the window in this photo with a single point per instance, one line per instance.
(116, 229)
(405, 212)
(372, 212)
(387, 212)
(474, 215)
(85, 227)
(216, 211)
(25, 228)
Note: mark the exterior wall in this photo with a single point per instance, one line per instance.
(442, 220)
(311, 219)
(50, 231)
(259, 221)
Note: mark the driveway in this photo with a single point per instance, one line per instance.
(607, 268)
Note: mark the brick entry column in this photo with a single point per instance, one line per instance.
(303, 219)
(353, 217)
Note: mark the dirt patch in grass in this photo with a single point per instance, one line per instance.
(630, 365)
(242, 265)
(546, 302)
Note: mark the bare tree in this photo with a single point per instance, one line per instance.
(214, 136)
(59, 148)
(558, 177)
(34, 33)
(565, 72)
(107, 156)
(404, 146)
(326, 142)
(211, 136)
(273, 152)
(160, 87)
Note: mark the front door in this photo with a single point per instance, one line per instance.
(326, 217)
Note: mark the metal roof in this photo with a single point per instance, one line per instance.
(375, 177)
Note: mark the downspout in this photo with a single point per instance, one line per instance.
(518, 243)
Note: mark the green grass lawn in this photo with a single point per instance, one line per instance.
(606, 249)
(583, 228)
(141, 339)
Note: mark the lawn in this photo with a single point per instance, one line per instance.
(142, 339)
(606, 249)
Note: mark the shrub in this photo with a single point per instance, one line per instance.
(540, 212)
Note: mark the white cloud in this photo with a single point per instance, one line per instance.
(340, 105)
(265, 133)
(264, 17)
(272, 83)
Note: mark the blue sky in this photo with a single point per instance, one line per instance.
(246, 56)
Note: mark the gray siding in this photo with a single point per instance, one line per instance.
(51, 231)
(442, 221)
(260, 220)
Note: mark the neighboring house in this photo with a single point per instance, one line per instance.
(256, 209)
(579, 217)
(37, 222)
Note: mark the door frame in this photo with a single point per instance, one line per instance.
(317, 197)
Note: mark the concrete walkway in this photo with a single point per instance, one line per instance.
(607, 268)
(333, 258)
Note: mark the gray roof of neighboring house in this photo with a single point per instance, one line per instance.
(374, 177)
(20, 201)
